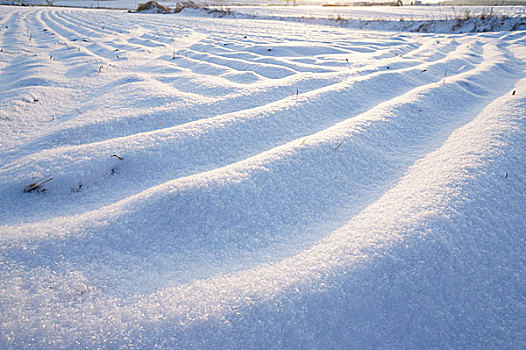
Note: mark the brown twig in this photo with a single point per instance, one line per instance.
(37, 184)
(341, 143)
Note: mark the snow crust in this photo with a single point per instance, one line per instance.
(244, 183)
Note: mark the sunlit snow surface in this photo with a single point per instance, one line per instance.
(375, 12)
(244, 183)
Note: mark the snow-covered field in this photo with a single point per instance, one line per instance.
(377, 12)
(435, 19)
(245, 183)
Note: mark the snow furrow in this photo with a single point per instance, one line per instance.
(260, 96)
(307, 191)
(202, 143)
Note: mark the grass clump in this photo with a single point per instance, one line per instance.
(186, 4)
(153, 7)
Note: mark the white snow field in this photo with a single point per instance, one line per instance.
(241, 183)
(383, 13)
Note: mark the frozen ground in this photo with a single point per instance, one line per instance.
(236, 183)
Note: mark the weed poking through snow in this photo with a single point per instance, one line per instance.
(37, 185)
(341, 143)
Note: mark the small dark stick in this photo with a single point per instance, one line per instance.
(341, 143)
(513, 93)
(116, 156)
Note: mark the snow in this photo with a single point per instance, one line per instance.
(437, 19)
(377, 12)
(259, 182)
